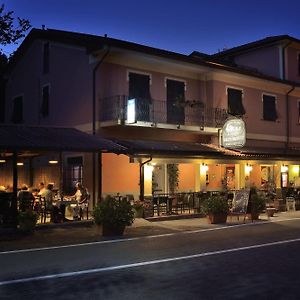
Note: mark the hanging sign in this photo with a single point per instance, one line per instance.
(233, 133)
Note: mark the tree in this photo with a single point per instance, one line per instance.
(11, 29)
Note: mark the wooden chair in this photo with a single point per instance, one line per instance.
(45, 210)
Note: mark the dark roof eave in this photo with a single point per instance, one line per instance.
(94, 43)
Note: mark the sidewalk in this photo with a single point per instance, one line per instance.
(84, 232)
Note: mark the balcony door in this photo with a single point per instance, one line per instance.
(139, 89)
(175, 102)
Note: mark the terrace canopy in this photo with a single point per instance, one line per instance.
(18, 140)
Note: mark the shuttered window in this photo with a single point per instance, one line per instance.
(17, 115)
(139, 89)
(45, 101)
(235, 104)
(46, 58)
(269, 108)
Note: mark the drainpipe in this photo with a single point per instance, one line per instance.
(94, 131)
(288, 118)
(142, 189)
(283, 59)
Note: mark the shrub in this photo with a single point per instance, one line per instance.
(113, 212)
(216, 204)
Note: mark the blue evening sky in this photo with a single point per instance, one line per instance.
(181, 26)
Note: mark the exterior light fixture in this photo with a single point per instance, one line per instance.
(284, 169)
(148, 171)
(20, 164)
(203, 168)
(295, 169)
(53, 162)
(248, 168)
(2, 161)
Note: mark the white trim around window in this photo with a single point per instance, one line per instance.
(234, 88)
(268, 94)
(138, 72)
(175, 79)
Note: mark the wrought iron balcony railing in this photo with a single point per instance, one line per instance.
(191, 113)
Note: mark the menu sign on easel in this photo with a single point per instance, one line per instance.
(240, 201)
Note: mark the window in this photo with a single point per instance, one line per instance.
(269, 108)
(298, 111)
(298, 63)
(45, 101)
(235, 102)
(73, 173)
(46, 54)
(139, 89)
(175, 101)
(17, 115)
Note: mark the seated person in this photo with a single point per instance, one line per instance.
(41, 189)
(25, 198)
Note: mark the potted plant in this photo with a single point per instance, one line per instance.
(27, 221)
(257, 203)
(113, 215)
(216, 209)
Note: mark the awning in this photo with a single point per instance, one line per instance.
(174, 149)
(271, 153)
(207, 151)
(36, 138)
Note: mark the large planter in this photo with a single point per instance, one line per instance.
(138, 212)
(112, 230)
(217, 218)
(254, 215)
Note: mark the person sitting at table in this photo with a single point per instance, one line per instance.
(41, 189)
(25, 198)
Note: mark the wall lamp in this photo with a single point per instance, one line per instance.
(203, 168)
(53, 162)
(248, 168)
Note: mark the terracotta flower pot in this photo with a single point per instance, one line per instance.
(217, 218)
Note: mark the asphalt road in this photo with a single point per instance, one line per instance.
(260, 260)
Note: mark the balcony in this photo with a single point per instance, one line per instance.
(188, 115)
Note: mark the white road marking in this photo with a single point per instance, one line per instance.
(142, 264)
(145, 237)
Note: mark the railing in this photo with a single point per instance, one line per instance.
(191, 113)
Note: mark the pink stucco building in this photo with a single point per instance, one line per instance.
(67, 79)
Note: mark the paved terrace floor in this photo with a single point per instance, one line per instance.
(50, 235)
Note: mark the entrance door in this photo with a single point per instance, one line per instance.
(175, 102)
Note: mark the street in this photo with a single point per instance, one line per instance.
(232, 262)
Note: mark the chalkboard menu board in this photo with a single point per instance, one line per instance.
(240, 201)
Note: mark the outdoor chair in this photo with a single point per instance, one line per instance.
(45, 210)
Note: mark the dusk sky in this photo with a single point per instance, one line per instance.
(180, 26)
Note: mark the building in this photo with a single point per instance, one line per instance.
(164, 108)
